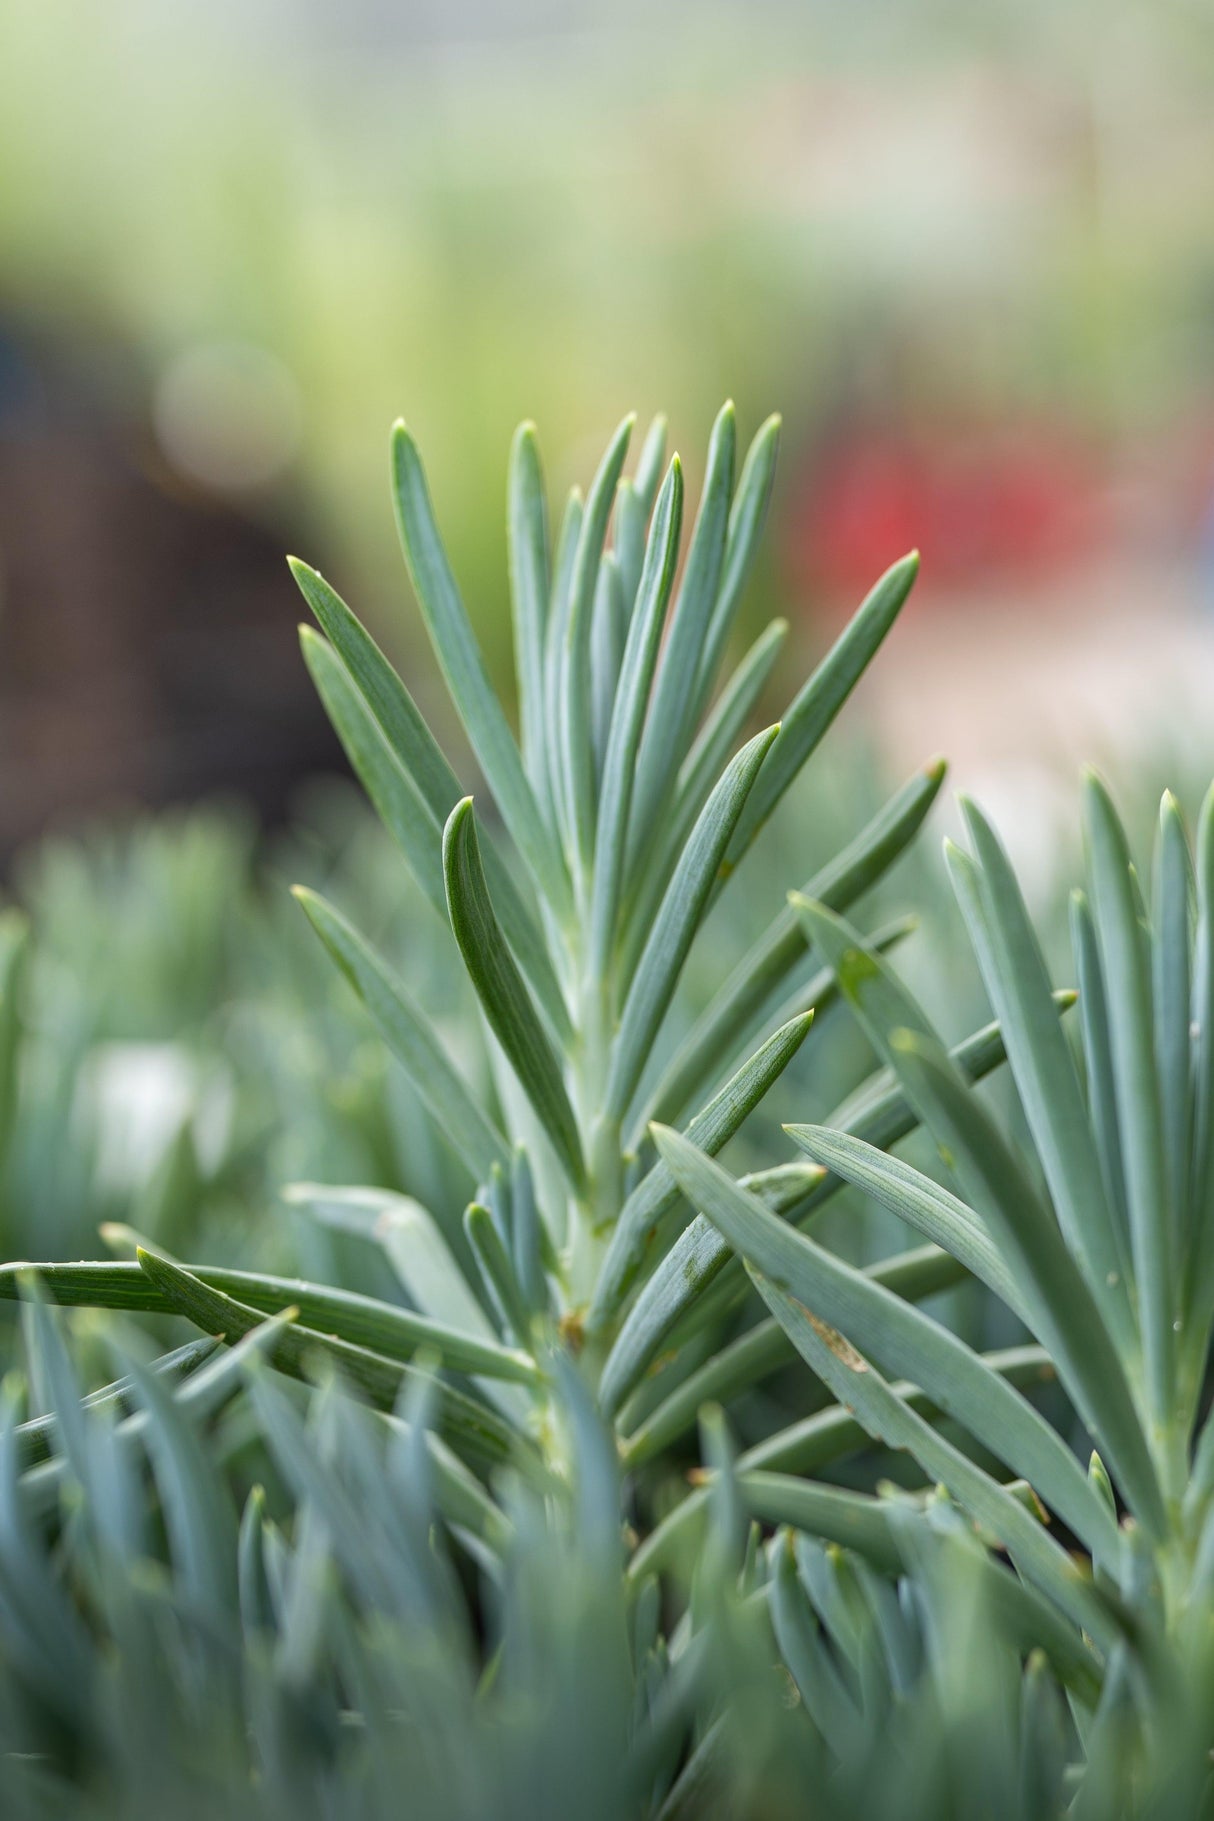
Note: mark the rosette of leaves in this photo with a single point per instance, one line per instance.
(1100, 1241)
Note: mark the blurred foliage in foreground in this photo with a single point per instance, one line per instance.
(361, 1631)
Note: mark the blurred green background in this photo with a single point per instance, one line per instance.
(967, 252)
(950, 244)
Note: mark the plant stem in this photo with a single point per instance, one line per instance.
(594, 1214)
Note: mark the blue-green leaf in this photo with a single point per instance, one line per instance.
(914, 1198)
(657, 1192)
(499, 985)
(731, 1013)
(765, 1348)
(1123, 942)
(746, 520)
(432, 781)
(681, 1278)
(1018, 987)
(649, 463)
(714, 743)
(1053, 1292)
(724, 723)
(1200, 1297)
(628, 540)
(498, 1272)
(527, 526)
(398, 715)
(474, 1431)
(567, 543)
(1065, 1317)
(815, 706)
(365, 1321)
(1098, 1065)
(34, 1437)
(671, 717)
(632, 694)
(890, 1419)
(394, 795)
(194, 1497)
(410, 1036)
(676, 923)
(894, 1334)
(463, 667)
(827, 1699)
(573, 727)
(1171, 948)
(608, 637)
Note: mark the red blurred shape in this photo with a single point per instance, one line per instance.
(984, 508)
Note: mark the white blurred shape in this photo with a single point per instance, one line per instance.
(228, 415)
(134, 1098)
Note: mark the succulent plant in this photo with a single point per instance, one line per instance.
(1100, 1241)
(627, 811)
(477, 1580)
